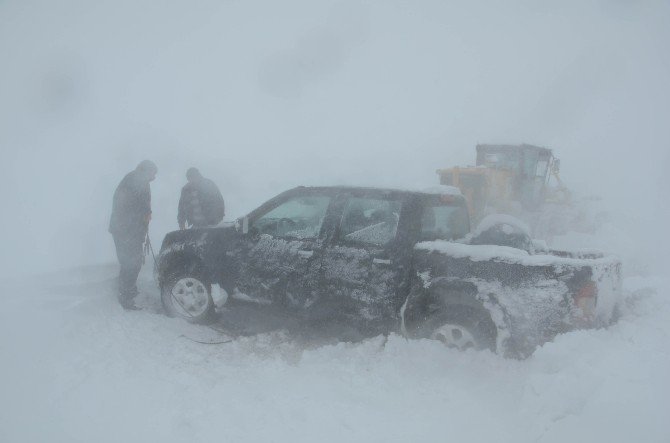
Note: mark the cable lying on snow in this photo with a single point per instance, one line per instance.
(206, 342)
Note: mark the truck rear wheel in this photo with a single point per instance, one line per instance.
(462, 327)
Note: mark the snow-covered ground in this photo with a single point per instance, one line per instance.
(76, 367)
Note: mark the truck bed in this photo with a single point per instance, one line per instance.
(531, 297)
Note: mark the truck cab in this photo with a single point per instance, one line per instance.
(336, 254)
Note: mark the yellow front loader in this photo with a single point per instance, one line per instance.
(507, 178)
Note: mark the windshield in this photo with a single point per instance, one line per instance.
(299, 217)
(501, 160)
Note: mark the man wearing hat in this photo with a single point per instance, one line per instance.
(131, 213)
(200, 203)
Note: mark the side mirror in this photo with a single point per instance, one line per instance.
(245, 225)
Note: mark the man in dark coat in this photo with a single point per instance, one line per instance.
(201, 203)
(131, 213)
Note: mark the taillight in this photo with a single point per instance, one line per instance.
(585, 300)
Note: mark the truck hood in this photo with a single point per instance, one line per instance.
(196, 239)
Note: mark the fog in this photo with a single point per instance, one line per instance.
(264, 96)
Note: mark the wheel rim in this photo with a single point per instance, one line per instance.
(454, 336)
(190, 297)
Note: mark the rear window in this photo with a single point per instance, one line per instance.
(370, 221)
(444, 222)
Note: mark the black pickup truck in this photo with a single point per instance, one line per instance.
(376, 261)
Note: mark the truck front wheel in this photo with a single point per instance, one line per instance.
(188, 295)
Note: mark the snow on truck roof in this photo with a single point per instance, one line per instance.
(442, 190)
(432, 190)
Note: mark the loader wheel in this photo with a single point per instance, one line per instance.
(462, 328)
(188, 295)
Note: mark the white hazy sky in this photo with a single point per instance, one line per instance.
(265, 95)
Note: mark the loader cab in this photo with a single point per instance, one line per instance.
(528, 165)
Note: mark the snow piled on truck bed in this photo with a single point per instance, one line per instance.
(76, 367)
(510, 255)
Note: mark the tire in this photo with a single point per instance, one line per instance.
(189, 296)
(462, 327)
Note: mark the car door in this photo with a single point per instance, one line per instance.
(365, 263)
(280, 257)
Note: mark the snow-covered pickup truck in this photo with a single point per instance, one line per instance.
(376, 261)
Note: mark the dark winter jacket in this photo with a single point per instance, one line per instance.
(201, 203)
(131, 207)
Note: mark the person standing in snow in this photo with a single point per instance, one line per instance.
(129, 223)
(200, 203)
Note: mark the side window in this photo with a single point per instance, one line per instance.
(541, 170)
(441, 222)
(370, 221)
(530, 164)
(299, 217)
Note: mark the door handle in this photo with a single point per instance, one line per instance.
(381, 261)
(305, 254)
